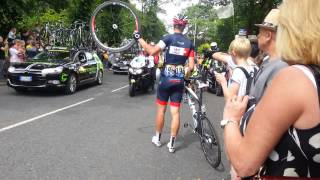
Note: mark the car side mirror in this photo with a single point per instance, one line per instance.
(83, 60)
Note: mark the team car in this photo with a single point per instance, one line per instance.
(121, 65)
(56, 68)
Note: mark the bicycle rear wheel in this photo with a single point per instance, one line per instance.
(209, 141)
(112, 25)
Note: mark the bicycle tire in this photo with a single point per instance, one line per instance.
(209, 141)
(93, 28)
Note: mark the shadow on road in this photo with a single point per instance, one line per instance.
(48, 92)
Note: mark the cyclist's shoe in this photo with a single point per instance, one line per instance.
(172, 149)
(156, 141)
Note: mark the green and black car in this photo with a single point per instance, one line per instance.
(56, 67)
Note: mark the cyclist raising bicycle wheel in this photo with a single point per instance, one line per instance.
(179, 50)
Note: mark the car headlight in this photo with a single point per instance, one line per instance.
(56, 70)
(11, 69)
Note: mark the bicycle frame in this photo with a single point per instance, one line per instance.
(200, 110)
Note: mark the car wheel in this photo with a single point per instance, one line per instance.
(152, 87)
(99, 79)
(71, 84)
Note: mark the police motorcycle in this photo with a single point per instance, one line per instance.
(141, 74)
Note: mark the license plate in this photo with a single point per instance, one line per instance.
(26, 78)
(124, 67)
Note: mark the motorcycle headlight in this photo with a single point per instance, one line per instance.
(11, 69)
(139, 71)
(56, 70)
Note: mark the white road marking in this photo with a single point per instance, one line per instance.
(120, 88)
(43, 115)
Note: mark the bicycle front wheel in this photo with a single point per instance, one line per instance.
(210, 143)
(112, 25)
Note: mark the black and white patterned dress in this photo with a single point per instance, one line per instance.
(298, 152)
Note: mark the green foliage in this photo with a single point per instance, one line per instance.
(10, 13)
(50, 16)
(80, 10)
(151, 27)
(247, 13)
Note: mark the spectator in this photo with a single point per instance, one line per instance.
(105, 59)
(22, 48)
(39, 47)
(16, 52)
(31, 49)
(272, 63)
(239, 49)
(2, 55)
(12, 35)
(284, 131)
(25, 34)
(255, 50)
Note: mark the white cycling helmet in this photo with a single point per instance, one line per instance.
(213, 44)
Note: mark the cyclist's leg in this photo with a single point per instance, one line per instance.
(162, 99)
(175, 101)
(161, 109)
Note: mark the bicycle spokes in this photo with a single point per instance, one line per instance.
(112, 26)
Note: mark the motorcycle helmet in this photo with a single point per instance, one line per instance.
(214, 46)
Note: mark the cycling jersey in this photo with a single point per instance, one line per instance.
(178, 49)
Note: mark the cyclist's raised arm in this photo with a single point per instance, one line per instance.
(152, 50)
(220, 56)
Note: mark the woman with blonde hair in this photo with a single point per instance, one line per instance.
(283, 135)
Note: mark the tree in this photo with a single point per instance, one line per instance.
(247, 13)
(152, 28)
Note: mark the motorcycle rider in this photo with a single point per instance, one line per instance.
(179, 50)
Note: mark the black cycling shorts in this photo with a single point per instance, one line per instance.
(170, 88)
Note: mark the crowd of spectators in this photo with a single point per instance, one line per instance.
(18, 47)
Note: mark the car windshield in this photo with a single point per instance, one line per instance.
(52, 57)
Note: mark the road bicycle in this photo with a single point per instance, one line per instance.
(200, 124)
(112, 25)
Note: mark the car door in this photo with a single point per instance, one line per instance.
(92, 66)
(83, 67)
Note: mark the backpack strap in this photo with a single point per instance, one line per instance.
(244, 71)
(249, 77)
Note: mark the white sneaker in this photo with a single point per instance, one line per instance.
(172, 149)
(156, 141)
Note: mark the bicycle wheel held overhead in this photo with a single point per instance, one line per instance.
(210, 143)
(112, 25)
